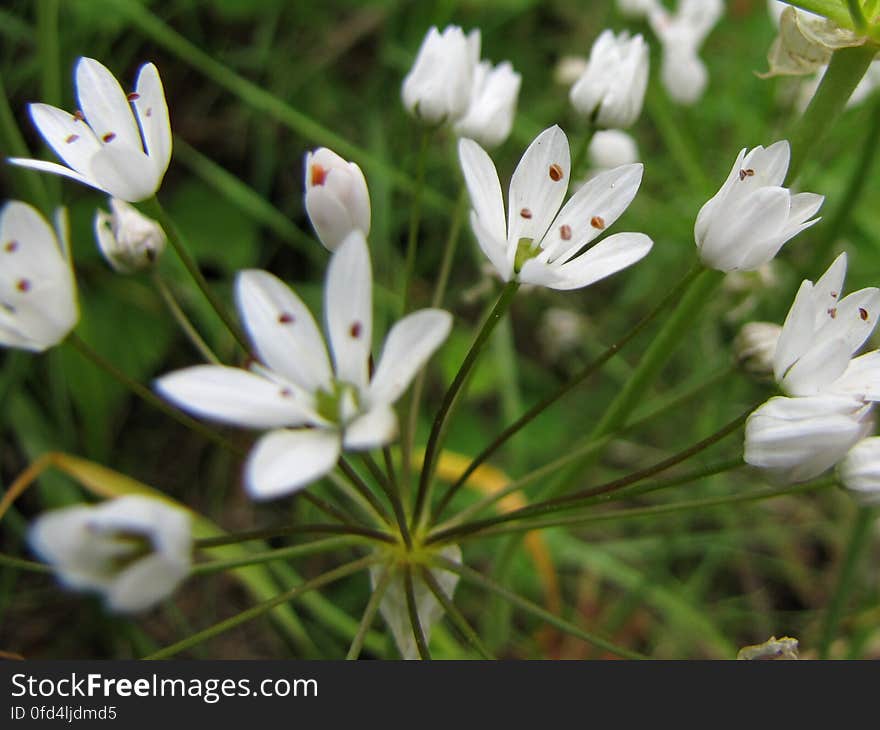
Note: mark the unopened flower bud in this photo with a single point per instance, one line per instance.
(755, 346)
(128, 239)
(337, 199)
(860, 471)
(612, 148)
(489, 116)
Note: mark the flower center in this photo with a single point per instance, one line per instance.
(526, 249)
(339, 405)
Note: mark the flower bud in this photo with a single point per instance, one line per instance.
(128, 239)
(611, 90)
(754, 348)
(860, 471)
(489, 116)
(337, 200)
(438, 87)
(612, 148)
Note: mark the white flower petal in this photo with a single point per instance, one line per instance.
(71, 139)
(104, 104)
(377, 427)
(285, 461)
(55, 169)
(282, 330)
(820, 366)
(147, 582)
(124, 172)
(797, 331)
(408, 346)
(605, 258)
(495, 249)
(770, 164)
(855, 318)
(861, 379)
(348, 306)
(484, 188)
(152, 112)
(235, 396)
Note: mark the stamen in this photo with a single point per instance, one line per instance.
(833, 312)
(286, 318)
(133, 96)
(834, 295)
(23, 285)
(286, 392)
(319, 175)
(556, 173)
(565, 232)
(356, 329)
(72, 138)
(597, 221)
(863, 313)
(748, 172)
(11, 246)
(109, 137)
(78, 115)
(526, 213)
(148, 112)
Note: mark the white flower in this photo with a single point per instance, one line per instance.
(312, 410)
(860, 470)
(636, 8)
(103, 144)
(796, 439)
(749, 219)
(38, 304)
(438, 87)
(537, 246)
(755, 346)
(337, 199)
(611, 90)
(135, 550)
(681, 34)
(569, 69)
(822, 332)
(394, 608)
(128, 239)
(611, 148)
(489, 116)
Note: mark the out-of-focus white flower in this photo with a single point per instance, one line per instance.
(611, 90)
(128, 239)
(611, 148)
(561, 330)
(539, 243)
(637, 8)
(134, 550)
(750, 218)
(796, 439)
(337, 199)
(681, 35)
(822, 332)
(312, 410)
(394, 607)
(860, 471)
(103, 144)
(754, 347)
(38, 304)
(569, 69)
(489, 116)
(438, 87)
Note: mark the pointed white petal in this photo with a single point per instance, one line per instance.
(72, 139)
(495, 249)
(716, 203)
(104, 104)
(828, 290)
(855, 318)
(797, 331)
(235, 396)
(484, 188)
(285, 461)
(55, 169)
(124, 172)
(407, 348)
(538, 186)
(152, 112)
(862, 378)
(377, 427)
(818, 368)
(146, 583)
(770, 164)
(605, 258)
(348, 309)
(282, 330)
(329, 217)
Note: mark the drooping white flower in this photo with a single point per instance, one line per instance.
(438, 87)
(611, 90)
(539, 243)
(337, 199)
(796, 439)
(103, 144)
(750, 218)
(489, 116)
(128, 239)
(860, 471)
(822, 332)
(134, 550)
(610, 148)
(681, 34)
(38, 305)
(394, 608)
(312, 410)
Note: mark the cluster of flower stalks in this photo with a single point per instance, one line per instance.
(338, 402)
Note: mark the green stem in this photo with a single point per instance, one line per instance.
(536, 410)
(858, 17)
(846, 69)
(262, 608)
(50, 56)
(859, 540)
(433, 445)
(413, 611)
(393, 498)
(476, 578)
(268, 532)
(183, 321)
(452, 611)
(154, 209)
(294, 551)
(8, 561)
(415, 217)
(370, 613)
(578, 162)
(364, 489)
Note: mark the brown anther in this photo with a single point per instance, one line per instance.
(319, 175)
(748, 172)
(71, 138)
(863, 313)
(285, 318)
(133, 96)
(556, 173)
(78, 115)
(149, 112)
(834, 295)
(109, 137)
(355, 330)
(526, 213)
(286, 392)
(597, 221)
(565, 232)
(11, 246)
(832, 312)
(23, 285)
